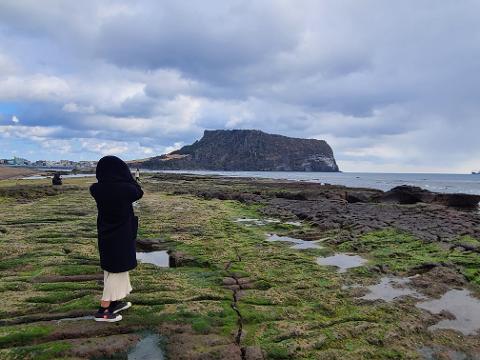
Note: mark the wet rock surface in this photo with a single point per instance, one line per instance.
(67, 278)
(438, 280)
(355, 211)
(155, 244)
(406, 194)
(179, 258)
(430, 220)
(438, 352)
(148, 348)
(426, 221)
(185, 344)
(253, 353)
(94, 348)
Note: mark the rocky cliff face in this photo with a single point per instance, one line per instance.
(248, 150)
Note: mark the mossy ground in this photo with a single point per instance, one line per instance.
(295, 309)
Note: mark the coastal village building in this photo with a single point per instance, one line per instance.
(40, 163)
(16, 161)
(20, 161)
(68, 164)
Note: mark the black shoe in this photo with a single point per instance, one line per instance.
(104, 314)
(117, 306)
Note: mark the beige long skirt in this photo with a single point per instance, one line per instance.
(115, 285)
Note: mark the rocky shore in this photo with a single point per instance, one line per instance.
(256, 269)
(13, 172)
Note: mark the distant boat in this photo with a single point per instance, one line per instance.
(476, 172)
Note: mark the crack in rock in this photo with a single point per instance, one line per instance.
(235, 284)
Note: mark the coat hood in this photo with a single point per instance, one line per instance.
(113, 169)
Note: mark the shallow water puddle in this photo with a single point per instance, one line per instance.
(432, 353)
(306, 245)
(67, 176)
(389, 289)
(462, 305)
(342, 261)
(299, 243)
(263, 222)
(34, 177)
(294, 223)
(256, 222)
(158, 258)
(147, 349)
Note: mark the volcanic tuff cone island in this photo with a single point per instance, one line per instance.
(247, 150)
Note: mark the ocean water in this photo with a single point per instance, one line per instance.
(446, 183)
(66, 176)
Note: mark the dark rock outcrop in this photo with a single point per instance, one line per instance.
(357, 196)
(430, 222)
(247, 150)
(406, 194)
(156, 244)
(458, 200)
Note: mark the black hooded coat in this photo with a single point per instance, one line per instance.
(117, 225)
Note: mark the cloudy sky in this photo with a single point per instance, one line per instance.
(392, 86)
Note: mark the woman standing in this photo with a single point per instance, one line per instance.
(117, 226)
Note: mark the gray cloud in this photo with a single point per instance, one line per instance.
(389, 85)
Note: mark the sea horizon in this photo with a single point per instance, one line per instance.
(445, 183)
(436, 182)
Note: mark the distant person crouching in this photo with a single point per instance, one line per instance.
(56, 179)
